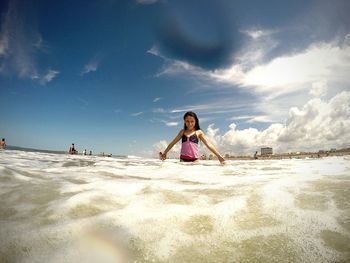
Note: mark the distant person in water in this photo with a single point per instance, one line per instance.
(3, 144)
(72, 149)
(90, 153)
(84, 152)
(256, 155)
(190, 135)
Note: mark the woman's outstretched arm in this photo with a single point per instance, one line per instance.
(211, 147)
(162, 156)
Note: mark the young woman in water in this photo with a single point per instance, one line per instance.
(190, 135)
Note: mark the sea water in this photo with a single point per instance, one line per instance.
(63, 208)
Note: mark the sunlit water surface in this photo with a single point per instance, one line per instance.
(60, 208)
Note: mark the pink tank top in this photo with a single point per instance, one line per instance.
(189, 148)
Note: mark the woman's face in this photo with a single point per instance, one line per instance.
(190, 122)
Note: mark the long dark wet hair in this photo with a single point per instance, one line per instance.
(192, 114)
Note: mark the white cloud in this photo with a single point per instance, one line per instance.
(252, 118)
(90, 67)
(215, 107)
(319, 88)
(16, 49)
(192, 108)
(166, 122)
(173, 67)
(261, 118)
(146, 2)
(154, 51)
(277, 85)
(325, 61)
(319, 124)
(136, 114)
(49, 76)
(157, 99)
(329, 62)
(19, 43)
(171, 123)
(161, 146)
(159, 110)
(258, 33)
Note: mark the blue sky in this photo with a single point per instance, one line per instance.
(117, 76)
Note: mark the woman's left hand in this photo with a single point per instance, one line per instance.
(162, 156)
(221, 159)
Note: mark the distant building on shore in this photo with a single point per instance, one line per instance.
(266, 150)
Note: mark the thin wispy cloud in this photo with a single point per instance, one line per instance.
(168, 123)
(136, 114)
(253, 118)
(49, 76)
(172, 66)
(83, 101)
(171, 123)
(256, 33)
(213, 107)
(261, 118)
(192, 108)
(146, 2)
(159, 110)
(20, 44)
(91, 66)
(157, 99)
(16, 44)
(154, 51)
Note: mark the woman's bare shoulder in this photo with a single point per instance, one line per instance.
(199, 132)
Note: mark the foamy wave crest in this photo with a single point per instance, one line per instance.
(63, 208)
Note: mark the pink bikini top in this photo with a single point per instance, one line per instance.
(189, 148)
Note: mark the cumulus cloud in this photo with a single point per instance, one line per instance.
(319, 124)
(319, 88)
(161, 146)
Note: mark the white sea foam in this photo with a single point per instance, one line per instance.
(62, 208)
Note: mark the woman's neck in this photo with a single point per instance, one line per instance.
(190, 130)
